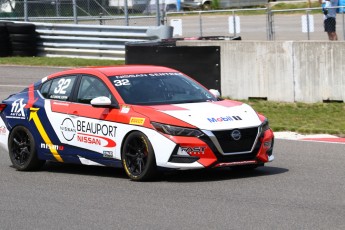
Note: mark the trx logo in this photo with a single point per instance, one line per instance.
(227, 118)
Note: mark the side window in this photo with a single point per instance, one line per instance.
(60, 88)
(90, 88)
(45, 88)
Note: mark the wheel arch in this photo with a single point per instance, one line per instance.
(126, 136)
(39, 152)
(13, 127)
(22, 157)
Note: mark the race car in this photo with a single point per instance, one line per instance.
(141, 118)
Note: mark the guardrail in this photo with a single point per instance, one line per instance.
(93, 41)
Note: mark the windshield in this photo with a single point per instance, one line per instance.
(160, 88)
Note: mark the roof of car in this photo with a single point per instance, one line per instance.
(132, 69)
(119, 70)
(109, 71)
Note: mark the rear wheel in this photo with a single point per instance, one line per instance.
(22, 150)
(138, 158)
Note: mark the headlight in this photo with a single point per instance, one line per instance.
(265, 126)
(176, 130)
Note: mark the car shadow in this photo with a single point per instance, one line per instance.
(189, 176)
(87, 170)
(220, 174)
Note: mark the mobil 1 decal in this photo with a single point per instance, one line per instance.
(88, 133)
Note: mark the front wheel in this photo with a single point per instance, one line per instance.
(138, 158)
(22, 150)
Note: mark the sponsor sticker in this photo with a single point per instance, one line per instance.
(137, 121)
(96, 128)
(17, 110)
(88, 132)
(108, 154)
(224, 119)
(195, 150)
(125, 109)
(68, 129)
(95, 140)
(147, 75)
(52, 147)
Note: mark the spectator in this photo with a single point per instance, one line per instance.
(329, 18)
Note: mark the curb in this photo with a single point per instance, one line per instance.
(312, 137)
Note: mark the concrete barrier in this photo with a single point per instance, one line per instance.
(289, 71)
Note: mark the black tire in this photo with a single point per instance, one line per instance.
(23, 46)
(4, 43)
(21, 28)
(3, 38)
(3, 28)
(23, 37)
(138, 158)
(24, 53)
(22, 150)
(4, 48)
(4, 53)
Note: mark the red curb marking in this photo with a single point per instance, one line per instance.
(337, 140)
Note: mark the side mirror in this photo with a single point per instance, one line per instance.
(215, 92)
(101, 102)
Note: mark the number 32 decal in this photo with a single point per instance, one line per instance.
(122, 82)
(62, 86)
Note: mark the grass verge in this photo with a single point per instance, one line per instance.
(57, 61)
(303, 118)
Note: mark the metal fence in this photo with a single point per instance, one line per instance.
(250, 24)
(93, 41)
(112, 12)
(255, 24)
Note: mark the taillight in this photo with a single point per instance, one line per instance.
(2, 107)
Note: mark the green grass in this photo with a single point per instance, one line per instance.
(67, 62)
(296, 5)
(302, 117)
(298, 117)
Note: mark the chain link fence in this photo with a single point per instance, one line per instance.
(256, 24)
(249, 23)
(111, 12)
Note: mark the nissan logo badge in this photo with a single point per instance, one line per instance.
(236, 135)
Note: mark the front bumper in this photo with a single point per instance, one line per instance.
(208, 151)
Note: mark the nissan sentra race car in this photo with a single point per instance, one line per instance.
(141, 118)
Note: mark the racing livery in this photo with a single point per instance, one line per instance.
(141, 118)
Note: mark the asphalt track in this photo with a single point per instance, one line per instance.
(304, 188)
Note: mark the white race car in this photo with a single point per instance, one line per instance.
(141, 118)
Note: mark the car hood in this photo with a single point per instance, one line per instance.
(213, 115)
